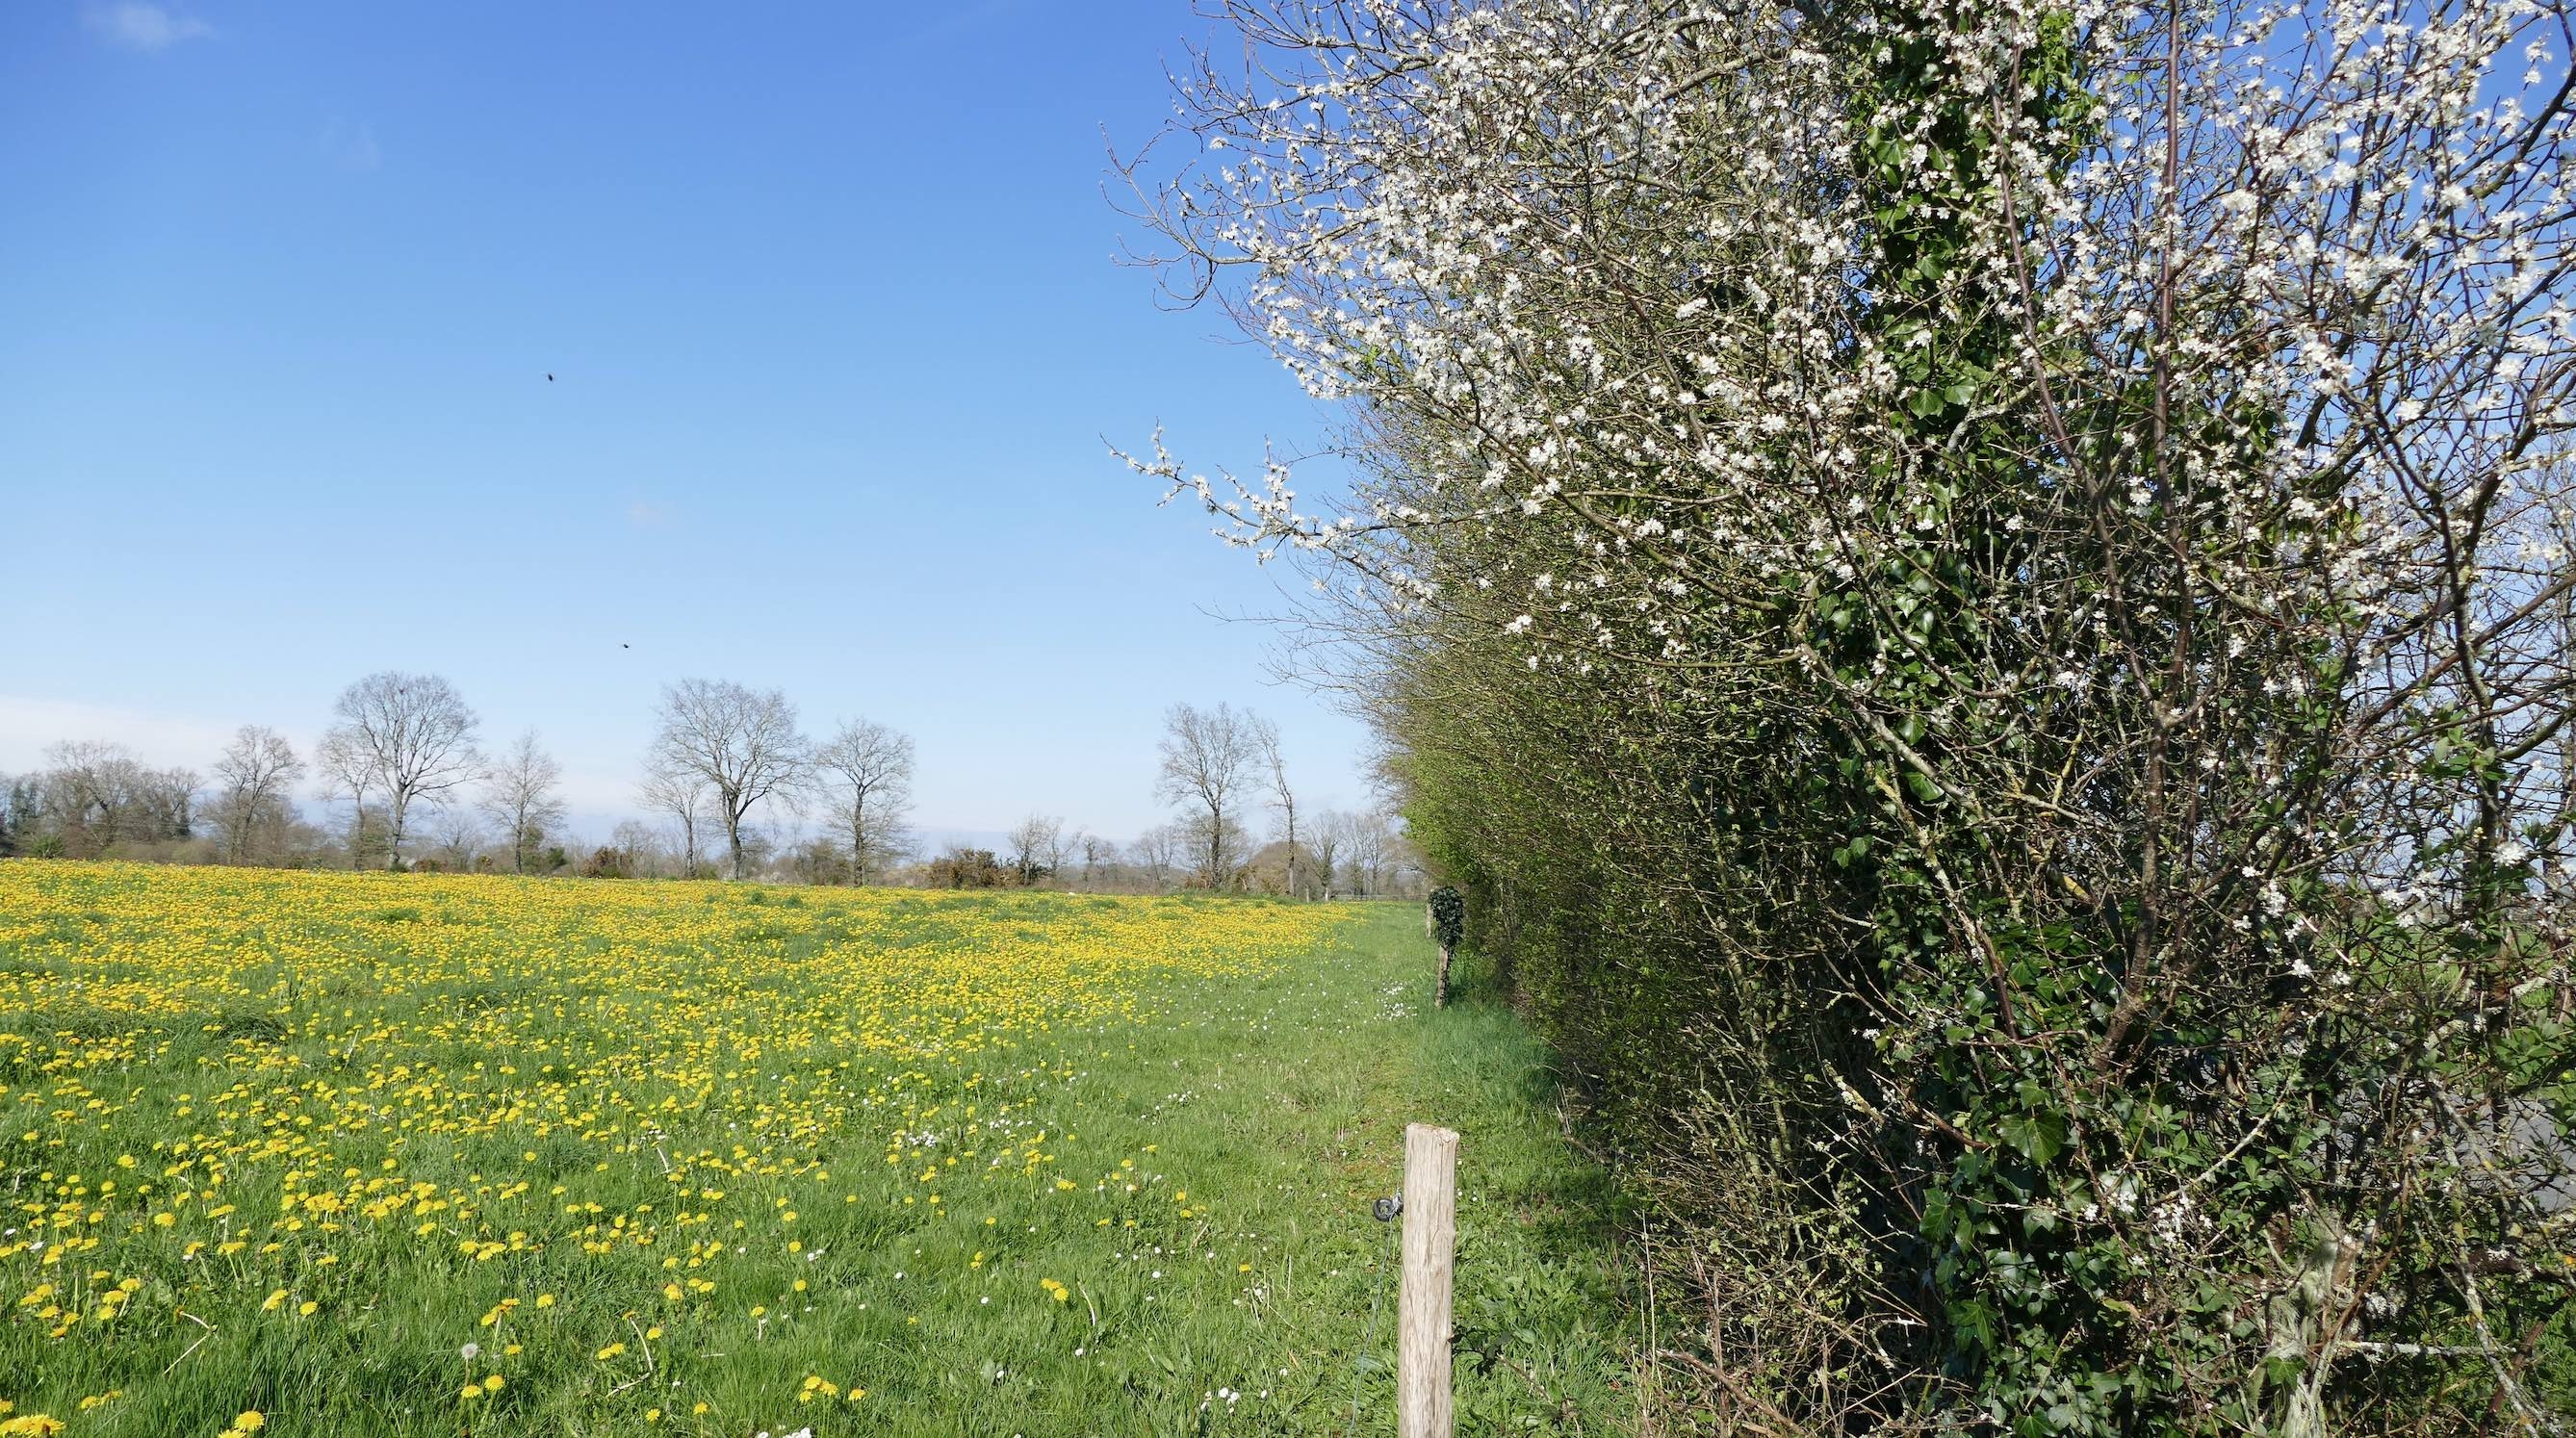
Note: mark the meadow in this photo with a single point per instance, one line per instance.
(415, 1154)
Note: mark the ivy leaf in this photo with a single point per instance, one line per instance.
(2040, 1136)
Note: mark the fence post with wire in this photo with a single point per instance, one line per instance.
(1422, 1307)
(1429, 1207)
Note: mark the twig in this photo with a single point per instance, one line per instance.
(193, 1347)
(2531, 1416)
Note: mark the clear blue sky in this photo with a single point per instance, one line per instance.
(828, 295)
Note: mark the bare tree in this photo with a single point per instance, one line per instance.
(1328, 829)
(522, 796)
(1371, 843)
(639, 849)
(682, 795)
(1265, 740)
(1199, 836)
(257, 771)
(95, 796)
(165, 802)
(417, 738)
(88, 792)
(1037, 848)
(741, 742)
(349, 771)
(1156, 851)
(458, 837)
(1208, 758)
(867, 769)
(1095, 852)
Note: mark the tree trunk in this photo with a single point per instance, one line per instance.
(357, 829)
(858, 841)
(396, 810)
(1216, 848)
(2306, 1325)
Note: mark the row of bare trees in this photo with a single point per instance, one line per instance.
(404, 766)
(1335, 854)
(94, 796)
(409, 739)
(1219, 766)
(720, 750)
(402, 745)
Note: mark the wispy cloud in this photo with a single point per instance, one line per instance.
(645, 514)
(28, 725)
(138, 25)
(351, 146)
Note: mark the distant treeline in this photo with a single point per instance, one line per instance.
(731, 786)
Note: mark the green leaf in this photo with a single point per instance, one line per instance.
(2040, 1136)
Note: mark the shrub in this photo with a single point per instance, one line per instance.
(2005, 707)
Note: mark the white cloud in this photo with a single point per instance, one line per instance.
(351, 147)
(138, 25)
(645, 514)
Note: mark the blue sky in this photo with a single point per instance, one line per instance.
(829, 299)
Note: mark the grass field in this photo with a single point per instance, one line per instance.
(440, 1154)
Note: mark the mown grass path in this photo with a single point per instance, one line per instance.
(403, 1154)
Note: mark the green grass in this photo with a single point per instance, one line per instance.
(1278, 1100)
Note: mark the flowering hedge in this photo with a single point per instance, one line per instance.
(1979, 594)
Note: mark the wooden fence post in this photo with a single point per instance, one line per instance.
(1422, 1314)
